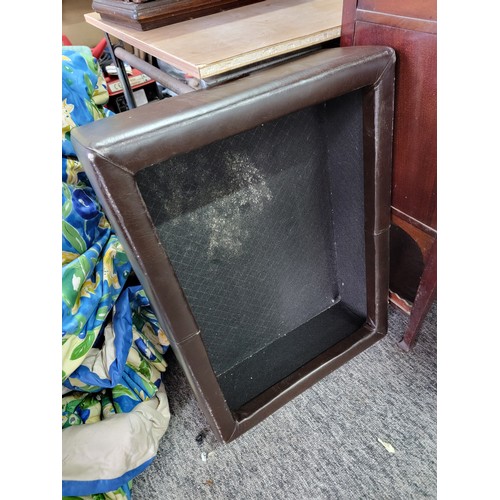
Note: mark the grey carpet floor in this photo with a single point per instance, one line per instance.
(322, 445)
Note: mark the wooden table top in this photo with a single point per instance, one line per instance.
(211, 45)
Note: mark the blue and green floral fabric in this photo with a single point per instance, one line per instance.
(112, 344)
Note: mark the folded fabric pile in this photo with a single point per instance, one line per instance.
(114, 406)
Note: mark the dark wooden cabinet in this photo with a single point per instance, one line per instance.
(411, 29)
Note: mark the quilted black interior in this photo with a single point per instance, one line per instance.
(265, 230)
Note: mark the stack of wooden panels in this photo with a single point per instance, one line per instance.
(149, 14)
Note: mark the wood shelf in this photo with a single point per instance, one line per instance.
(225, 41)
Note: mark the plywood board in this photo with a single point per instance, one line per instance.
(214, 44)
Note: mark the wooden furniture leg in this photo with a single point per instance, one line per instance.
(425, 297)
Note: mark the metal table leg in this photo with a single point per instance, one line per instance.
(122, 76)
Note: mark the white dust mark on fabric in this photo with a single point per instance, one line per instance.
(225, 217)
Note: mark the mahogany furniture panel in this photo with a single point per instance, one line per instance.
(416, 10)
(426, 294)
(411, 29)
(414, 175)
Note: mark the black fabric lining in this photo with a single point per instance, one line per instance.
(265, 230)
(281, 358)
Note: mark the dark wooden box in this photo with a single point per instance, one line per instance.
(149, 14)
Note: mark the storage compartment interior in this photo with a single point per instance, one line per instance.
(265, 231)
